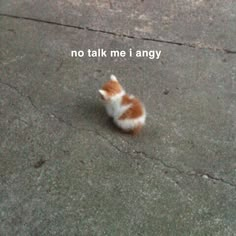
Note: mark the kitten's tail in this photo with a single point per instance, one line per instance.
(137, 129)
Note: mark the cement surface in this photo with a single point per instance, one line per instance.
(66, 170)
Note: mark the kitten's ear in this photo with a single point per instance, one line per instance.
(113, 78)
(103, 94)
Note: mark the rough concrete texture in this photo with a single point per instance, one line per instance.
(66, 170)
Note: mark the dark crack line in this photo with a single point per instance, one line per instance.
(219, 179)
(32, 103)
(185, 44)
(20, 93)
(88, 130)
(145, 155)
(13, 88)
(60, 119)
(185, 173)
(142, 153)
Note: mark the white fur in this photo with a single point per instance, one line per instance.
(129, 124)
(113, 106)
(115, 110)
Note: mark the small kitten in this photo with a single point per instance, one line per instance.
(127, 111)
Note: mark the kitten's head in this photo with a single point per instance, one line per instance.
(111, 89)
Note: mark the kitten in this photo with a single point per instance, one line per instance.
(127, 111)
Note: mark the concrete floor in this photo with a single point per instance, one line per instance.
(66, 170)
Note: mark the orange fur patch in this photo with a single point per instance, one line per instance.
(112, 88)
(134, 111)
(126, 100)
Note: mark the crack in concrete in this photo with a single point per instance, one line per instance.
(219, 179)
(185, 44)
(20, 93)
(187, 173)
(87, 130)
(145, 155)
(142, 153)
(196, 174)
(32, 103)
(53, 115)
(13, 88)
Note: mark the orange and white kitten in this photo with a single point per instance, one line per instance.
(127, 111)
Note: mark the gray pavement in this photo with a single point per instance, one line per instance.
(66, 170)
